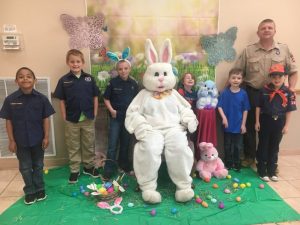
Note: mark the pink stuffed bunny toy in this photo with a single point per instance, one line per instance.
(210, 164)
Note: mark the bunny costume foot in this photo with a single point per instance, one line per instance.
(151, 196)
(159, 117)
(184, 195)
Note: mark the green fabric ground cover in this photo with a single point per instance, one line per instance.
(64, 207)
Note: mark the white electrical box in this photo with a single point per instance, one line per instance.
(10, 37)
(11, 41)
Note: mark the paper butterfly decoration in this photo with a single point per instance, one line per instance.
(220, 46)
(115, 57)
(85, 32)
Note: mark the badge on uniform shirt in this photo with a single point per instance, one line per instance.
(277, 52)
(88, 79)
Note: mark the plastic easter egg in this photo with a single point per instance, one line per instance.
(236, 180)
(248, 184)
(207, 179)
(261, 186)
(215, 186)
(238, 199)
(107, 185)
(242, 186)
(82, 191)
(204, 204)
(153, 212)
(213, 200)
(221, 205)
(46, 171)
(130, 205)
(174, 211)
(209, 197)
(74, 194)
(197, 196)
(198, 200)
(110, 190)
(228, 176)
(102, 190)
(116, 188)
(87, 193)
(227, 191)
(235, 185)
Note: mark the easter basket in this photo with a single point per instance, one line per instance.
(108, 190)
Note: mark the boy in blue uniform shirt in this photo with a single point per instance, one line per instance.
(233, 107)
(273, 113)
(78, 96)
(117, 97)
(27, 122)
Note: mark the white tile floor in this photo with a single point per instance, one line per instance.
(288, 187)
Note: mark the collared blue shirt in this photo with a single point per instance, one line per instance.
(26, 112)
(78, 94)
(120, 93)
(275, 107)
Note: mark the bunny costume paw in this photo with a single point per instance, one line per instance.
(151, 196)
(184, 195)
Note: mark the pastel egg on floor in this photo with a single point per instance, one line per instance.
(227, 191)
(215, 186)
(236, 180)
(261, 186)
(204, 204)
(174, 211)
(238, 199)
(221, 205)
(46, 171)
(228, 176)
(235, 185)
(213, 200)
(153, 212)
(248, 184)
(130, 205)
(198, 200)
(242, 185)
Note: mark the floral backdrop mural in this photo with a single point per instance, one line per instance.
(129, 23)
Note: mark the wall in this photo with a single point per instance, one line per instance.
(45, 43)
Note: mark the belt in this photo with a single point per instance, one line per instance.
(274, 117)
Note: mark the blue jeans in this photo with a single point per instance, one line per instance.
(233, 145)
(31, 163)
(117, 135)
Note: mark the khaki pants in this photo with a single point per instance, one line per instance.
(80, 142)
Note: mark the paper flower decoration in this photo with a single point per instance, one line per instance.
(219, 46)
(85, 32)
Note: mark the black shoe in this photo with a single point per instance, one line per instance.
(41, 195)
(73, 178)
(93, 172)
(29, 199)
(237, 167)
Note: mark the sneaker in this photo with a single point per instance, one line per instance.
(274, 178)
(265, 178)
(41, 195)
(73, 179)
(29, 199)
(93, 172)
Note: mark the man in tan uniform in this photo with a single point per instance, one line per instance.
(255, 61)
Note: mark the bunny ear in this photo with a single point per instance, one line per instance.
(125, 53)
(202, 145)
(150, 52)
(166, 52)
(103, 205)
(118, 201)
(112, 56)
